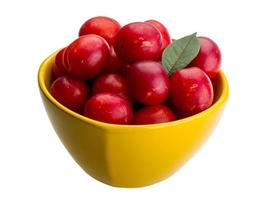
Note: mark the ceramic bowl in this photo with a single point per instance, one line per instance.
(130, 155)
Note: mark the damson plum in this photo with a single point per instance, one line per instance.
(86, 56)
(138, 41)
(191, 90)
(148, 82)
(208, 58)
(70, 92)
(109, 108)
(154, 115)
(112, 83)
(58, 69)
(164, 32)
(105, 27)
(115, 64)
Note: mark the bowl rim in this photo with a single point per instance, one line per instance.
(220, 101)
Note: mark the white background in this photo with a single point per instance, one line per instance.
(233, 164)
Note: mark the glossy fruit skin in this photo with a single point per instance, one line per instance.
(166, 40)
(138, 41)
(103, 26)
(148, 82)
(114, 65)
(208, 58)
(58, 69)
(154, 115)
(191, 90)
(70, 92)
(86, 56)
(109, 108)
(112, 83)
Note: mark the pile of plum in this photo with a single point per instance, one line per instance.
(116, 75)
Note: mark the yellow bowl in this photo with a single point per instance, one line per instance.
(130, 155)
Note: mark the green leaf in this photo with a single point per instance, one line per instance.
(180, 53)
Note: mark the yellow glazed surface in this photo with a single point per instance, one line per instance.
(130, 155)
